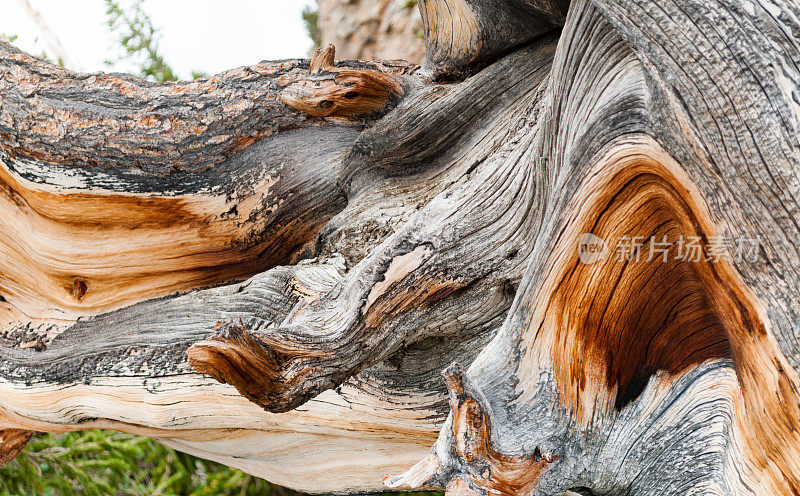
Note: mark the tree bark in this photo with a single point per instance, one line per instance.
(270, 268)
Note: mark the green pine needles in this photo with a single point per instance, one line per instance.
(139, 38)
(103, 463)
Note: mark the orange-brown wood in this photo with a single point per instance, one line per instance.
(331, 91)
(12, 442)
(261, 370)
(94, 251)
(613, 324)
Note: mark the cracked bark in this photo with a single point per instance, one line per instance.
(275, 278)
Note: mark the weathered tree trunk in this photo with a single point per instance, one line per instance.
(372, 29)
(589, 210)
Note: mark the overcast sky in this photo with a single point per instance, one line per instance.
(201, 35)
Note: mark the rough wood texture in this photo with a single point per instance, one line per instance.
(140, 353)
(655, 378)
(462, 36)
(390, 298)
(12, 442)
(376, 244)
(485, 470)
(330, 91)
(115, 120)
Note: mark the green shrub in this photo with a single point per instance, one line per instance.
(310, 18)
(102, 463)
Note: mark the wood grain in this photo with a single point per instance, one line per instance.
(357, 247)
(330, 91)
(12, 442)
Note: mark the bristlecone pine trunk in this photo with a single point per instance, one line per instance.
(586, 214)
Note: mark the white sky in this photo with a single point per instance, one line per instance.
(202, 35)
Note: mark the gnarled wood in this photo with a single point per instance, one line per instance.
(480, 468)
(653, 376)
(462, 36)
(136, 351)
(388, 299)
(330, 91)
(529, 221)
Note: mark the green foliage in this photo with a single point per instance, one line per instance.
(102, 463)
(410, 4)
(310, 17)
(139, 38)
(11, 38)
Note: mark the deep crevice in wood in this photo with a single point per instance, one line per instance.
(625, 317)
(678, 376)
(616, 323)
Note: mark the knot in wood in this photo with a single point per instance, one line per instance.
(330, 91)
